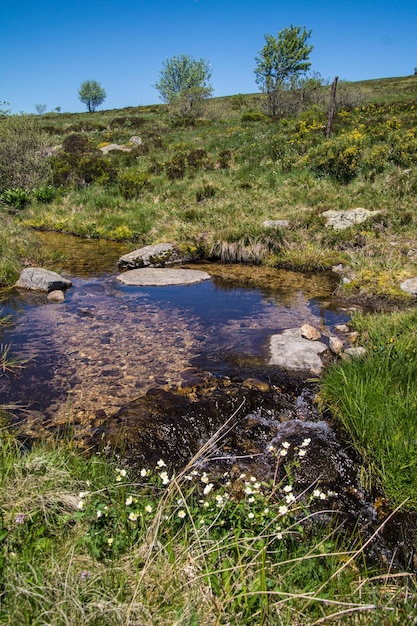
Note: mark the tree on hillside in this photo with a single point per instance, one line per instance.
(40, 108)
(92, 94)
(184, 81)
(282, 60)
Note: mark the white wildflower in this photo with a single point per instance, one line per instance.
(164, 477)
(181, 514)
(287, 489)
(143, 472)
(133, 516)
(207, 489)
(161, 463)
(148, 508)
(283, 510)
(129, 500)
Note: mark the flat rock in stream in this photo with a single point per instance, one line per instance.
(290, 351)
(154, 276)
(39, 279)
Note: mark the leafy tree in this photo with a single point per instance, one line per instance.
(40, 108)
(184, 81)
(281, 61)
(92, 94)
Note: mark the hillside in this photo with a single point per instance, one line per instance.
(209, 181)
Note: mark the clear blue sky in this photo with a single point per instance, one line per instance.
(49, 47)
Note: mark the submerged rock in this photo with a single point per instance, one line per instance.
(151, 276)
(39, 279)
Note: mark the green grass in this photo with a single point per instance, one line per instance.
(84, 541)
(375, 398)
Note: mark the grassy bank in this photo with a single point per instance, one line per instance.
(375, 399)
(83, 541)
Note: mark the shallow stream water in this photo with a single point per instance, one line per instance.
(108, 343)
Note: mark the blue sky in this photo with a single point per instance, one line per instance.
(49, 47)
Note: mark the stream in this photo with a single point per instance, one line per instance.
(154, 372)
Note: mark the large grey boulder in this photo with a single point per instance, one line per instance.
(343, 219)
(291, 352)
(151, 276)
(157, 255)
(39, 279)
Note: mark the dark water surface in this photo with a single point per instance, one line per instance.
(108, 343)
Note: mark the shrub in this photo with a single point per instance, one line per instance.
(254, 116)
(339, 158)
(23, 155)
(77, 170)
(224, 160)
(176, 167)
(77, 143)
(132, 183)
(205, 192)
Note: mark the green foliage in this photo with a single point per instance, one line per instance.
(281, 60)
(253, 116)
(375, 399)
(92, 94)
(131, 184)
(184, 82)
(45, 194)
(16, 197)
(339, 158)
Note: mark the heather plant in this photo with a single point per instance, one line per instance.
(23, 154)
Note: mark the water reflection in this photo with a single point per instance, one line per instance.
(109, 343)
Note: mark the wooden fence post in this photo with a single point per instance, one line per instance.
(332, 107)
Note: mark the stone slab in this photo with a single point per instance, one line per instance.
(155, 276)
(290, 351)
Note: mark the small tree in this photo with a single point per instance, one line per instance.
(184, 81)
(281, 61)
(40, 108)
(92, 94)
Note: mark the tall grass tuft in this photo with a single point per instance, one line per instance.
(375, 398)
